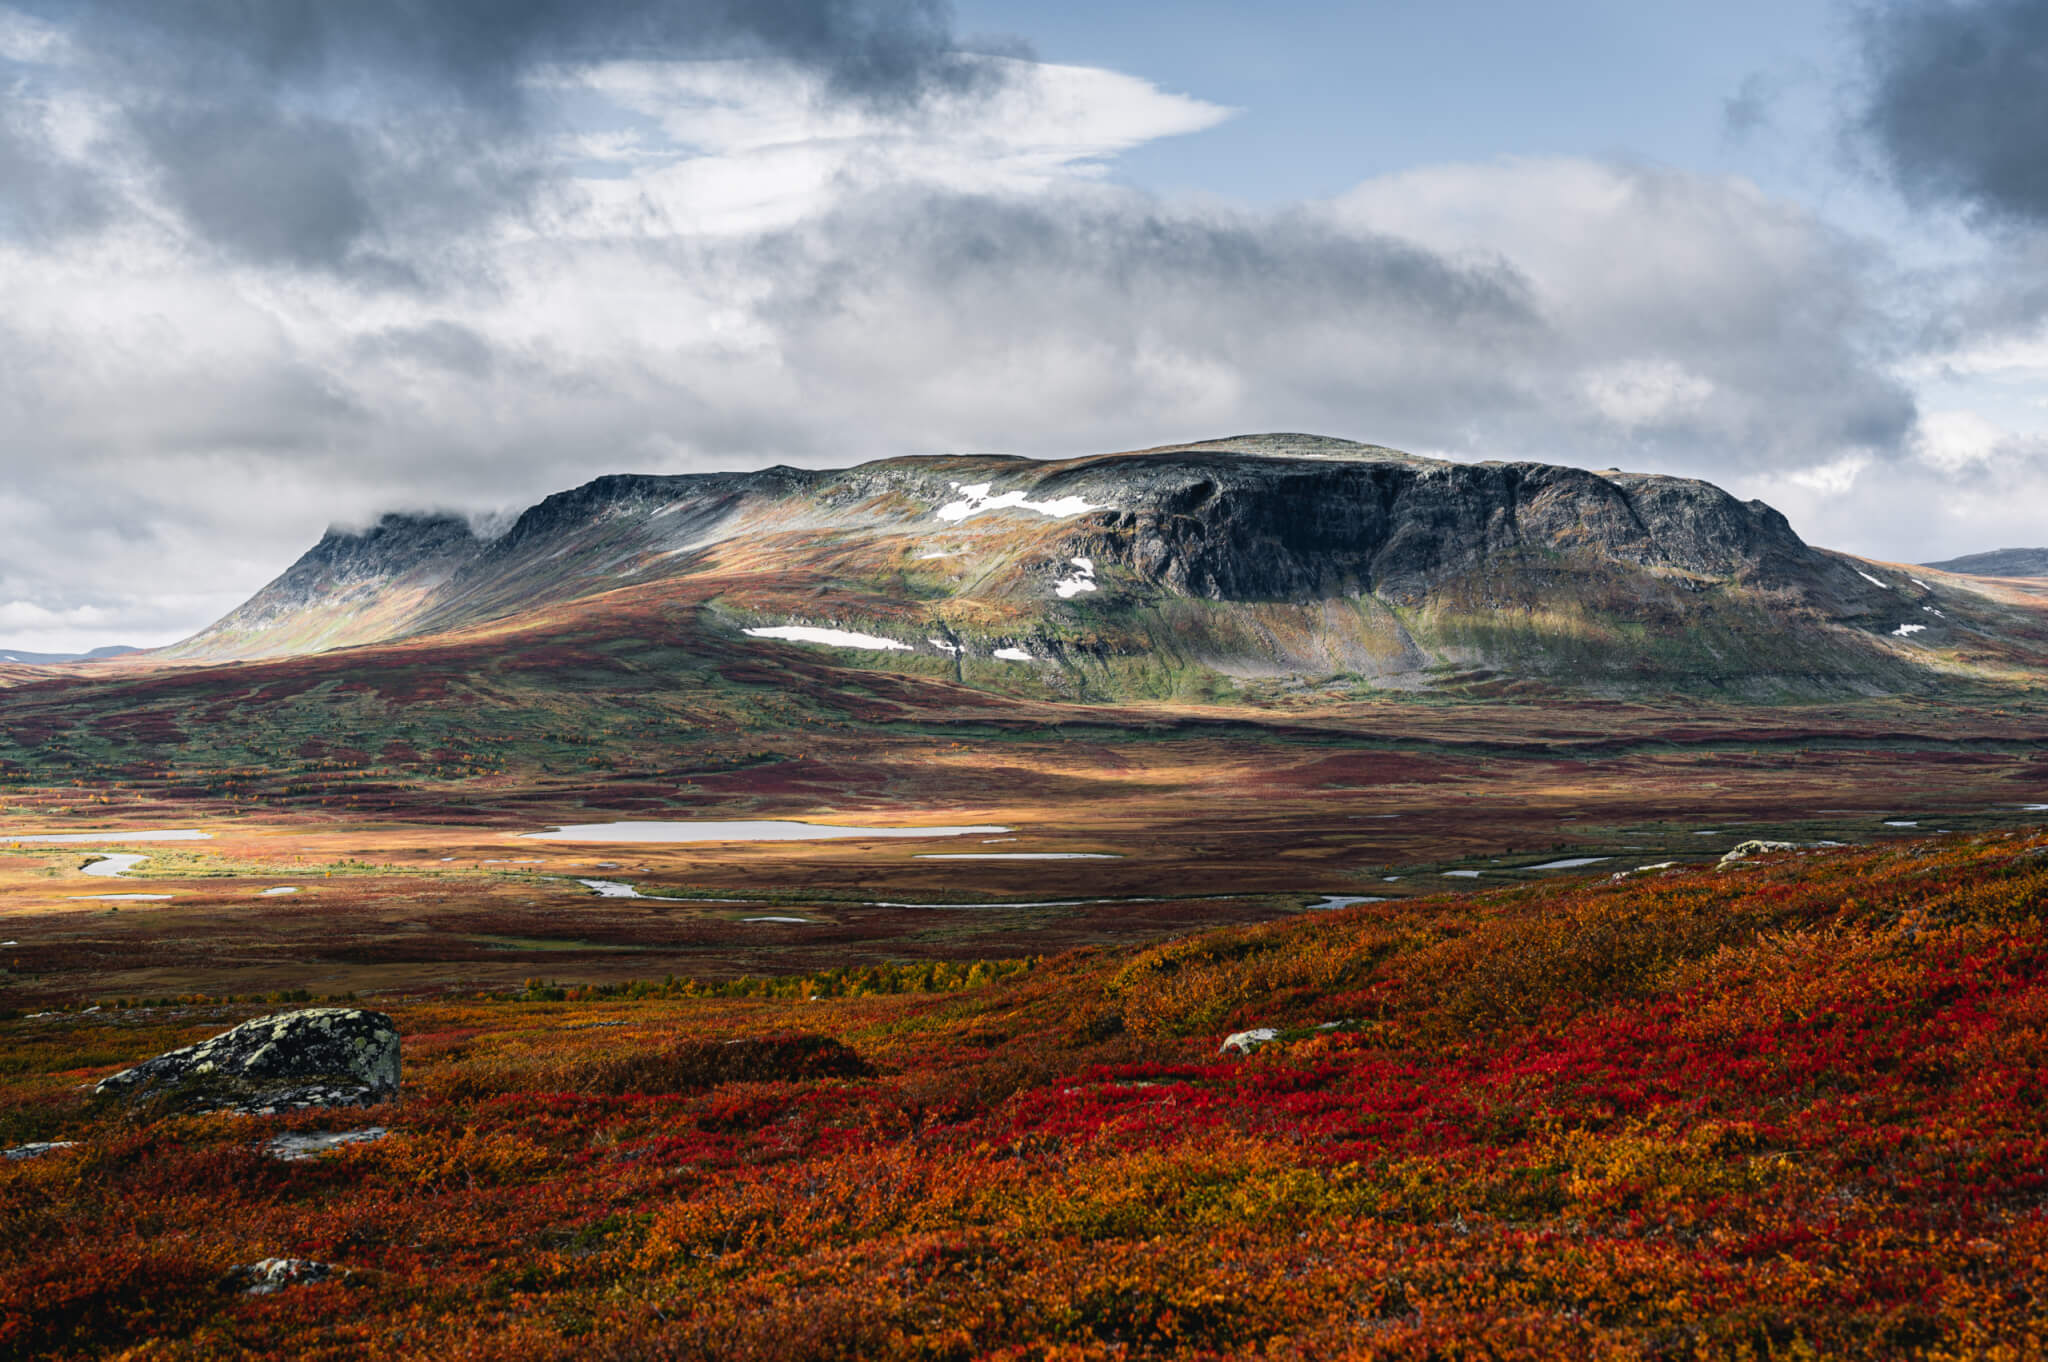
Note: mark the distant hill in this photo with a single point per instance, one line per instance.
(1184, 571)
(1999, 563)
(26, 659)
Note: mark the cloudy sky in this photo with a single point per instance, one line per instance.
(266, 265)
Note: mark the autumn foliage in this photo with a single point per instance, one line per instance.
(1796, 1109)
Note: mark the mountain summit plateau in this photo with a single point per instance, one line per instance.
(1182, 570)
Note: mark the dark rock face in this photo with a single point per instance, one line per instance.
(323, 1056)
(1235, 528)
(397, 546)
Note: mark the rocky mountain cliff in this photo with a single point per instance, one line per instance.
(1258, 556)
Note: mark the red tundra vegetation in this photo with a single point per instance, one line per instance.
(1795, 1109)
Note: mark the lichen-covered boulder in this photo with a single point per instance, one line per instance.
(275, 1274)
(1742, 851)
(320, 1057)
(1244, 1042)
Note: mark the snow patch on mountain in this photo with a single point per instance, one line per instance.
(975, 498)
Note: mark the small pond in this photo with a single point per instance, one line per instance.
(741, 830)
(117, 835)
(1016, 856)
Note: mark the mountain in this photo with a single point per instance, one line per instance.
(1183, 570)
(354, 586)
(27, 659)
(1999, 563)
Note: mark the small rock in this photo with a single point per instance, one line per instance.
(1244, 1042)
(35, 1151)
(299, 1148)
(275, 1274)
(320, 1057)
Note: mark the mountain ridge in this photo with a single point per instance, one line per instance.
(22, 657)
(1998, 563)
(1250, 556)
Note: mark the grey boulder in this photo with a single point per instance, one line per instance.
(1244, 1042)
(319, 1057)
(275, 1274)
(1742, 851)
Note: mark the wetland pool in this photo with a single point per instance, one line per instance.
(114, 865)
(1016, 856)
(165, 835)
(741, 830)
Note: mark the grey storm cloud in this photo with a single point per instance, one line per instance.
(336, 134)
(1298, 266)
(1137, 318)
(475, 51)
(1956, 103)
(41, 196)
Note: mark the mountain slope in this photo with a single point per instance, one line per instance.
(1999, 563)
(1178, 570)
(26, 659)
(352, 587)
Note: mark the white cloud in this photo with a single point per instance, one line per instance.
(731, 146)
(24, 38)
(1917, 509)
(32, 627)
(1705, 322)
(1638, 393)
(1835, 478)
(1951, 440)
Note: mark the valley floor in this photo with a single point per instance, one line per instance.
(1123, 826)
(1793, 1109)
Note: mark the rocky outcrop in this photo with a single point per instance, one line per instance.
(275, 1274)
(1756, 846)
(320, 1057)
(1244, 1042)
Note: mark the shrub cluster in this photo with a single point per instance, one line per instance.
(1796, 1111)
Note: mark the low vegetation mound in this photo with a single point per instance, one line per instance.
(693, 1065)
(1797, 1107)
